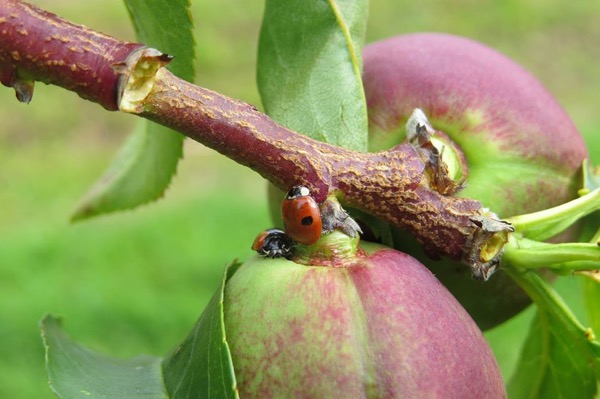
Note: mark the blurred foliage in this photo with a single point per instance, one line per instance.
(135, 282)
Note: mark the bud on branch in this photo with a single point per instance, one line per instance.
(37, 45)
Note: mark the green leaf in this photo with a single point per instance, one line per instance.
(547, 223)
(591, 177)
(523, 253)
(140, 172)
(77, 372)
(591, 295)
(167, 26)
(146, 164)
(309, 68)
(560, 358)
(591, 283)
(201, 366)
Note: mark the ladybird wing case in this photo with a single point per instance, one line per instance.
(302, 219)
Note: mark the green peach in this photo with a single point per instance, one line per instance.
(378, 326)
(522, 150)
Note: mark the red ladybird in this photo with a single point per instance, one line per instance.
(301, 216)
(273, 243)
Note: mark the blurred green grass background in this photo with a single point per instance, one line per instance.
(135, 282)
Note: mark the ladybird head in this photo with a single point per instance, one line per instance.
(297, 192)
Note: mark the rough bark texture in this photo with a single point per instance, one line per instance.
(386, 184)
(37, 45)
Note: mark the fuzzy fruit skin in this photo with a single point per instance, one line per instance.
(380, 327)
(523, 151)
(501, 116)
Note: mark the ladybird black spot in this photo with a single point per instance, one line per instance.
(307, 220)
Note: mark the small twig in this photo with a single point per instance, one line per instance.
(37, 45)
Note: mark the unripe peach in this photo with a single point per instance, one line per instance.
(376, 325)
(522, 150)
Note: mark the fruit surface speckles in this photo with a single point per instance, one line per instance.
(473, 117)
(457, 82)
(383, 327)
(523, 151)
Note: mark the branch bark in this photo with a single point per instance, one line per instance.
(37, 45)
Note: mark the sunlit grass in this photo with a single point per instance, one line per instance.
(129, 283)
